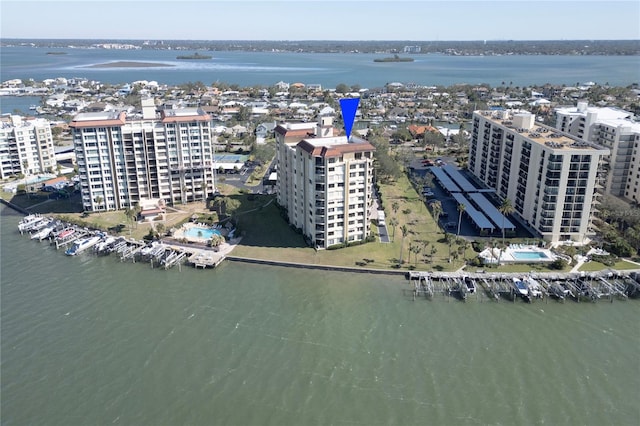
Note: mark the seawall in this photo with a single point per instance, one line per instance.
(14, 207)
(319, 267)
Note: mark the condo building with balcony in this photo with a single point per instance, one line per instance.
(549, 176)
(26, 146)
(123, 160)
(325, 182)
(615, 129)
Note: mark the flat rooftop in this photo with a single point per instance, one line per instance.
(97, 116)
(542, 134)
(336, 140)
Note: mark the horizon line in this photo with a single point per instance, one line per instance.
(317, 40)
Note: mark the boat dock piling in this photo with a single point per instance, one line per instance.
(632, 285)
(167, 256)
(606, 285)
(178, 258)
(66, 240)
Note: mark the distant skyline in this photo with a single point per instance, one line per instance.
(321, 20)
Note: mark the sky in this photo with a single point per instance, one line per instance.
(420, 20)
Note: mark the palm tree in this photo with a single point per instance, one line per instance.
(455, 255)
(501, 247)
(393, 222)
(506, 209)
(404, 231)
(129, 214)
(98, 200)
(465, 246)
(136, 212)
(425, 244)
(436, 209)
(449, 240)
(395, 207)
(461, 209)
(415, 249)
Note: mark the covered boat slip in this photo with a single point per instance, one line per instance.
(478, 218)
(490, 210)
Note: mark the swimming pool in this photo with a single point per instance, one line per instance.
(200, 232)
(38, 179)
(529, 255)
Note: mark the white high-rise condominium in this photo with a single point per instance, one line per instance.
(26, 146)
(615, 129)
(550, 177)
(122, 160)
(325, 183)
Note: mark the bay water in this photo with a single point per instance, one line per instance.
(92, 340)
(328, 69)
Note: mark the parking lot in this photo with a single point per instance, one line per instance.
(449, 217)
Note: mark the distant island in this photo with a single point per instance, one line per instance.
(386, 47)
(394, 58)
(130, 64)
(194, 56)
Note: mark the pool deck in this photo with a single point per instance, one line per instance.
(507, 255)
(182, 232)
(205, 257)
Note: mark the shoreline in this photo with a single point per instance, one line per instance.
(225, 254)
(129, 64)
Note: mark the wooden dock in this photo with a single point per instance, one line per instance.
(206, 259)
(603, 285)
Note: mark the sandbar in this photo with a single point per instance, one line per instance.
(130, 64)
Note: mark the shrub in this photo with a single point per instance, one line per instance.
(620, 247)
(607, 260)
(559, 264)
(476, 261)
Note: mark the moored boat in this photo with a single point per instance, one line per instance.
(105, 244)
(65, 233)
(470, 285)
(43, 223)
(535, 288)
(28, 221)
(44, 232)
(82, 244)
(520, 287)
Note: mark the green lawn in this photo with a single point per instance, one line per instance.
(266, 235)
(525, 267)
(597, 266)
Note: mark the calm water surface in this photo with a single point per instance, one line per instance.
(327, 69)
(90, 340)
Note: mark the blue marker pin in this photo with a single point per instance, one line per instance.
(349, 107)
